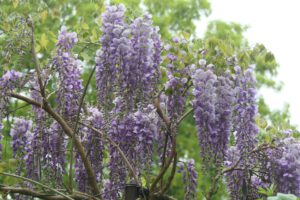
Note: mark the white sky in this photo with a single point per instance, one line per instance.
(276, 24)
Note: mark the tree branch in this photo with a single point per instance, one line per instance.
(232, 168)
(171, 177)
(42, 195)
(35, 60)
(130, 168)
(68, 130)
(185, 115)
(37, 183)
(76, 125)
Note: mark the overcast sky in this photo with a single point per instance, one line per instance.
(276, 24)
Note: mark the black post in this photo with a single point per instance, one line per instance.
(131, 192)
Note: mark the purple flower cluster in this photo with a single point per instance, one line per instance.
(8, 82)
(245, 110)
(204, 105)
(134, 133)
(40, 138)
(68, 68)
(285, 165)
(128, 62)
(175, 97)
(21, 135)
(177, 74)
(234, 178)
(213, 108)
(68, 96)
(190, 176)
(58, 143)
(115, 46)
(242, 183)
(140, 79)
(94, 145)
(223, 108)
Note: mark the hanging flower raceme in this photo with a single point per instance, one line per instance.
(213, 103)
(244, 113)
(285, 166)
(40, 140)
(68, 96)
(204, 105)
(68, 68)
(8, 82)
(178, 75)
(223, 108)
(234, 178)
(58, 143)
(141, 75)
(21, 143)
(189, 177)
(128, 62)
(94, 145)
(175, 96)
(245, 110)
(134, 134)
(114, 53)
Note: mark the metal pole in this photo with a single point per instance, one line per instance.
(131, 192)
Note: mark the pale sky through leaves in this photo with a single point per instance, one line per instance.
(276, 24)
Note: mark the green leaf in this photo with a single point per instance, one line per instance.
(44, 41)
(85, 26)
(281, 196)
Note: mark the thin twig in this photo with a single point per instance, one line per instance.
(171, 177)
(185, 115)
(36, 183)
(21, 107)
(35, 60)
(42, 195)
(130, 168)
(212, 190)
(76, 126)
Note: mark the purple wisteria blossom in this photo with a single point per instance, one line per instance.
(21, 135)
(128, 62)
(134, 133)
(190, 178)
(69, 92)
(234, 178)
(205, 114)
(115, 48)
(8, 82)
(94, 145)
(58, 143)
(141, 76)
(285, 166)
(245, 110)
(241, 182)
(223, 109)
(175, 88)
(40, 138)
(68, 68)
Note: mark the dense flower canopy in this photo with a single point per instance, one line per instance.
(144, 89)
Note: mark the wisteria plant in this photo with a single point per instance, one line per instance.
(144, 88)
